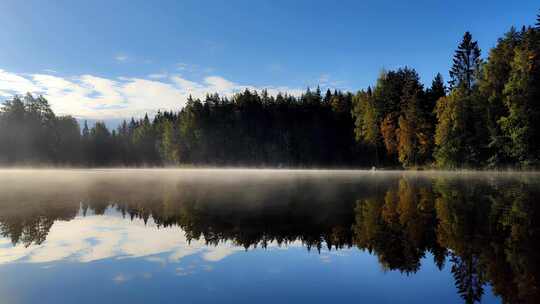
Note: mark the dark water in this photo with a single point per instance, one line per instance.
(232, 236)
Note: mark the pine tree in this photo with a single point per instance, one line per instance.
(466, 64)
(538, 21)
(327, 96)
(434, 93)
(438, 89)
(85, 130)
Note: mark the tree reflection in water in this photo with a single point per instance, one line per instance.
(485, 229)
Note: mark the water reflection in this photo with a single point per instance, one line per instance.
(485, 230)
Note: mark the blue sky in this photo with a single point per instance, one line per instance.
(107, 59)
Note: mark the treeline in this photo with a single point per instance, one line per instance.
(487, 117)
(250, 129)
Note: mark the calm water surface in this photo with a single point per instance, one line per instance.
(234, 236)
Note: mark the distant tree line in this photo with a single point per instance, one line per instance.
(487, 117)
(251, 129)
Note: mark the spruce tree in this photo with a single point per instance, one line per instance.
(438, 89)
(327, 96)
(466, 64)
(86, 130)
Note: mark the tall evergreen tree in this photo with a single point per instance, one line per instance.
(327, 96)
(437, 90)
(433, 94)
(85, 130)
(145, 141)
(466, 64)
(100, 145)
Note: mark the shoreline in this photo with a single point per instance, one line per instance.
(267, 170)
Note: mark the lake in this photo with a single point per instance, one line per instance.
(268, 236)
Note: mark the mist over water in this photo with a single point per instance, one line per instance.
(180, 234)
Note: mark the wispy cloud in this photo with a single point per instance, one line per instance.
(326, 80)
(121, 58)
(158, 76)
(194, 69)
(323, 79)
(94, 97)
(186, 67)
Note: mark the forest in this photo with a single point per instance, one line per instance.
(487, 116)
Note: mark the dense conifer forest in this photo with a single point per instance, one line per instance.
(486, 116)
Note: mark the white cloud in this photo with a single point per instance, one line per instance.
(187, 67)
(186, 85)
(324, 78)
(220, 84)
(194, 69)
(12, 83)
(121, 58)
(182, 66)
(158, 76)
(93, 97)
(326, 81)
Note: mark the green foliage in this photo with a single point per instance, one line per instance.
(31, 133)
(437, 90)
(100, 145)
(495, 75)
(366, 118)
(170, 149)
(414, 135)
(453, 131)
(366, 121)
(398, 114)
(145, 142)
(521, 94)
(67, 141)
(466, 64)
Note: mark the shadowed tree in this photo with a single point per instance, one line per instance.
(495, 76)
(466, 64)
